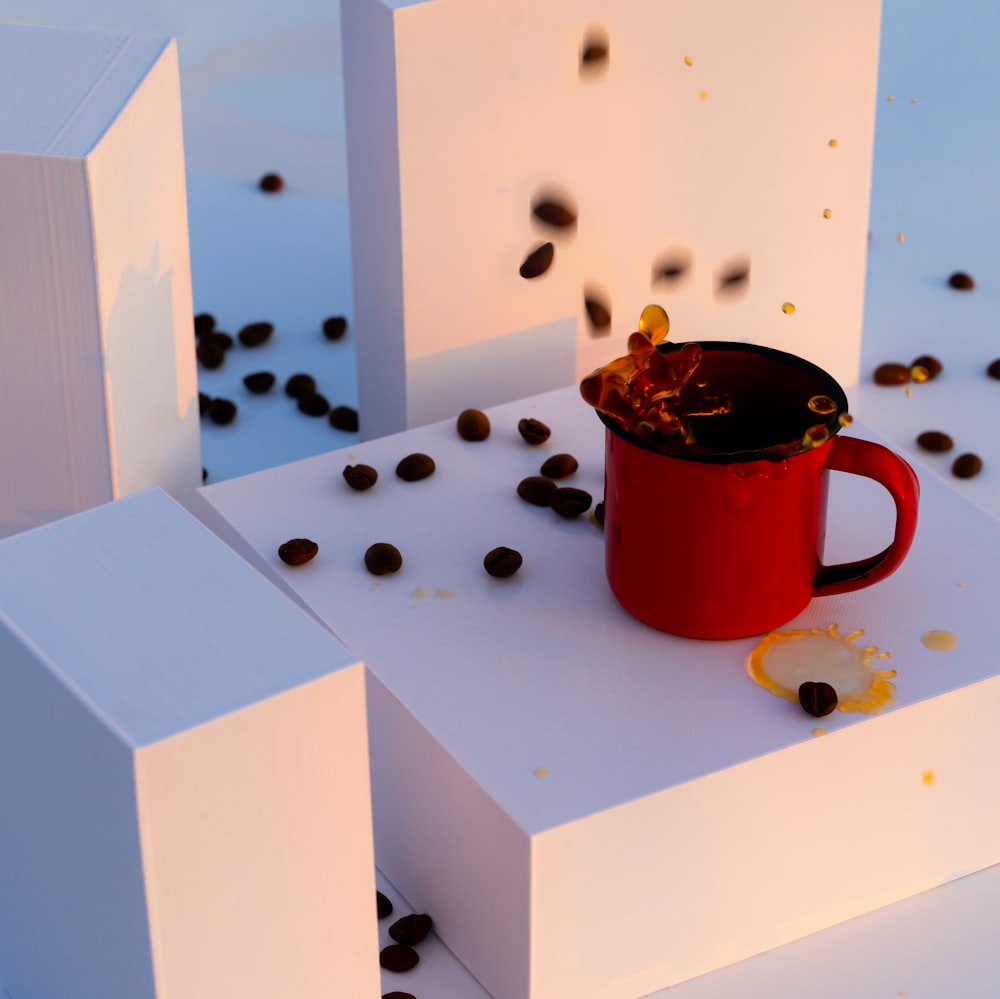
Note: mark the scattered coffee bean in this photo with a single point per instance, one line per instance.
(220, 339)
(313, 404)
(994, 369)
(335, 327)
(383, 905)
(736, 275)
(204, 474)
(254, 334)
(536, 490)
(259, 382)
(818, 698)
(415, 467)
(210, 355)
(558, 466)
(599, 314)
(935, 440)
(599, 513)
(502, 562)
(537, 262)
(533, 431)
(204, 323)
(382, 558)
(398, 995)
(412, 929)
(669, 269)
(930, 364)
(298, 551)
(204, 401)
(271, 183)
(569, 502)
(344, 418)
(554, 213)
(398, 957)
(594, 51)
(360, 477)
(961, 281)
(966, 466)
(891, 374)
(473, 425)
(222, 411)
(300, 385)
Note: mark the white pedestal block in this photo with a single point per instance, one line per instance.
(587, 806)
(716, 137)
(184, 771)
(98, 389)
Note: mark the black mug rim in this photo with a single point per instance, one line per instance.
(770, 453)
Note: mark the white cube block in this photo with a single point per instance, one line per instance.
(590, 807)
(98, 386)
(716, 137)
(184, 771)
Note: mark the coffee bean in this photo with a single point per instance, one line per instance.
(558, 466)
(313, 404)
(538, 261)
(930, 364)
(220, 339)
(254, 334)
(222, 411)
(473, 425)
(891, 374)
(818, 698)
(271, 183)
(961, 281)
(335, 327)
(204, 474)
(734, 276)
(383, 905)
(415, 467)
(300, 385)
(599, 513)
(398, 995)
(204, 401)
(554, 213)
(599, 314)
(536, 490)
(259, 382)
(966, 466)
(533, 431)
(210, 355)
(344, 418)
(204, 323)
(594, 54)
(669, 269)
(398, 957)
(360, 477)
(935, 440)
(994, 369)
(412, 929)
(502, 562)
(382, 558)
(298, 551)
(570, 503)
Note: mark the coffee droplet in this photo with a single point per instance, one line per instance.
(537, 262)
(919, 373)
(654, 323)
(822, 404)
(832, 143)
(827, 213)
(815, 436)
(787, 308)
(929, 363)
(688, 61)
(845, 419)
(939, 641)
(928, 778)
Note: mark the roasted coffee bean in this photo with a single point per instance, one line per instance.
(570, 503)
(891, 374)
(300, 385)
(204, 401)
(271, 183)
(935, 440)
(536, 490)
(204, 474)
(554, 213)
(818, 698)
(344, 418)
(383, 558)
(220, 339)
(930, 364)
(558, 466)
(502, 562)
(383, 905)
(254, 334)
(210, 355)
(966, 466)
(961, 281)
(222, 411)
(599, 314)
(594, 54)
(259, 382)
(670, 269)
(994, 369)
(412, 929)
(734, 276)
(537, 262)
(599, 513)
(204, 323)
(473, 425)
(313, 404)
(334, 328)
(415, 467)
(298, 551)
(398, 957)
(398, 995)
(533, 431)
(360, 477)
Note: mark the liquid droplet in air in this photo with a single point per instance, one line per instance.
(654, 323)
(815, 436)
(822, 404)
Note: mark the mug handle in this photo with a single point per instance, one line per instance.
(861, 457)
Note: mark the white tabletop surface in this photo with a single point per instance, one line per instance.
(261, 90)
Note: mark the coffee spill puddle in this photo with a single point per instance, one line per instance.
(939, 641)
(783, 660)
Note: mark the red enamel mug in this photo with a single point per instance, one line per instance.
(725, 539)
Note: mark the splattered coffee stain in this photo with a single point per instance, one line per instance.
(541, 771)
(444, 594)
(928, 778)
(420, 593)
(939, 641)
(819, 731)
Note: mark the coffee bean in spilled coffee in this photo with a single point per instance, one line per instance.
(382, 558)
(537, 490)
(360, 477)
(817, 698)
(559, 466)
(398, 957)
(415, 467)
(298, 551)
(473, 425)
(569, 502)
(412, 929)
(533, 431)
(502, 562)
